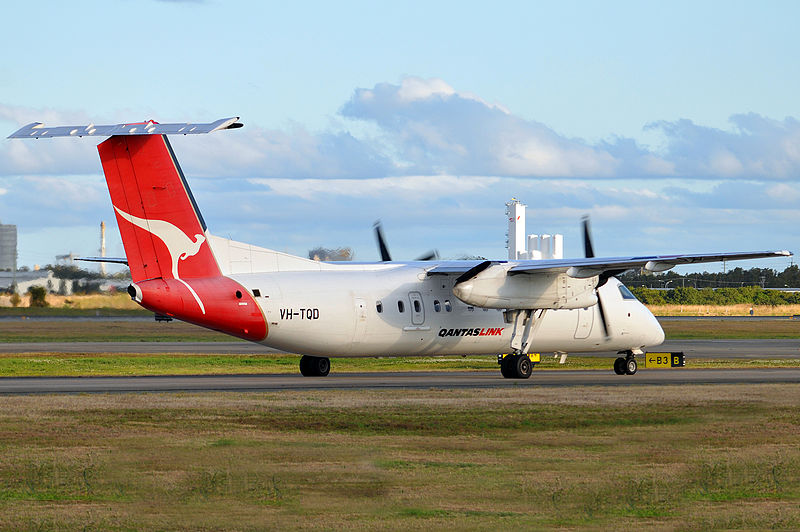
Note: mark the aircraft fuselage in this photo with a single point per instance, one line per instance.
(401, 311)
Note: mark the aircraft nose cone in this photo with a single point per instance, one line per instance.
(659, 336)
(656, 333)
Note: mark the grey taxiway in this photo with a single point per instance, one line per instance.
(387, 380)
(771, 349)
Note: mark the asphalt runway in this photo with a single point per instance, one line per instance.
(769, 349)
(389, 380)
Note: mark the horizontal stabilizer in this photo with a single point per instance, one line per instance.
(113, 260)
(39, 130)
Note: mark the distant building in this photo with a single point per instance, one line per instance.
(8, 247)
(330, 254)
(43, 278)
(531, 247)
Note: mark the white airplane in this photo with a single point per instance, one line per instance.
(388, 308)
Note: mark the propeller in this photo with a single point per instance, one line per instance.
(588, 250)
(385, 256)
(384, 249)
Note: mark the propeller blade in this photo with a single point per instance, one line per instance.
(588, 249)
(385, 256)
(431, 255)
(603, 320)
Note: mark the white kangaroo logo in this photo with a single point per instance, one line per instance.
(179, 245)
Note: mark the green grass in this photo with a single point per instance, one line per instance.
(69, 364)
(70, 312)
(690, 458)
(24, 330)
(711, 329)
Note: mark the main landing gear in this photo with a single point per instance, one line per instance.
(626, 365)
(516, 366)
(315, 366)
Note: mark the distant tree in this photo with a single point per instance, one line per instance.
(86, 287)
(736, 277)
(71, 272)
(330, 254)
(753, 295)
(123, 275)
(15, 300)
(38, 296)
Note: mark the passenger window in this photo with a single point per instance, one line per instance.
(626, 294)
(437, 306)
(417, 306)
(400, 306)
(447, 306)
(379, 307)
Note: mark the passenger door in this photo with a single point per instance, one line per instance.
(417, 308)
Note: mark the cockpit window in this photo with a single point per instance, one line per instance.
(626, 294)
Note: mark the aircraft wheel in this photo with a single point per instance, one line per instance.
(507, 367)
(322, 365)
(619, 366)
(305, 366)
(523, 366)
(631, 366)
(315, 366)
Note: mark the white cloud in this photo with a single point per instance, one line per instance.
(427, 127)
(437, 166)
(756, 148)
(413, 88)
(436, 129)
(407, 186)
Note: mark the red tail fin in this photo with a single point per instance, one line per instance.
(162, 230)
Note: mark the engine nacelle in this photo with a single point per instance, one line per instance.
(494, 288)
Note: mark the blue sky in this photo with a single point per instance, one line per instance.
(674, 124)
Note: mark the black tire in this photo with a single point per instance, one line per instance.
(523, 366)
(619, 366)
(506, 367)
(631, 366)
(322, 366)
(315, 366)
(305, 366)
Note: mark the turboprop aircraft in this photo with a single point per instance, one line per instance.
(389, 308)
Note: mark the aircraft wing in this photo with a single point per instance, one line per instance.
(589, 267)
